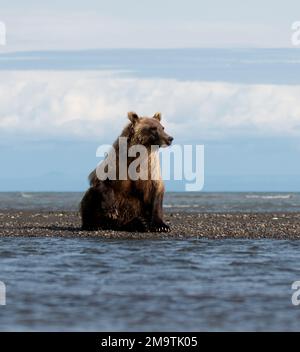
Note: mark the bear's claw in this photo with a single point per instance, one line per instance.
(160, 228)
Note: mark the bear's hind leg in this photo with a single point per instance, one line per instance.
(90, 209)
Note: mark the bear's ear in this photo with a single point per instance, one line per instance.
(157, 116)
(133, 117)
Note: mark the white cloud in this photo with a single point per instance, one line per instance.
(38, 29)
(94, 105)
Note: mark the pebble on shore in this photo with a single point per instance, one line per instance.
(183, 225)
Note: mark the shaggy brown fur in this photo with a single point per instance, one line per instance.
(127, 204)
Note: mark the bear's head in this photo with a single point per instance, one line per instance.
(148, 130)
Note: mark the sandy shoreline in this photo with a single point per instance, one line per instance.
(184, 225)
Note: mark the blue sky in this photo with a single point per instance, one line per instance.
(58, 103)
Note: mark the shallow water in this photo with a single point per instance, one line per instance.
(93, 284)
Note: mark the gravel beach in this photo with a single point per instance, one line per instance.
(183, 225)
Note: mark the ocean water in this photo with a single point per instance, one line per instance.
(174, 201)
(103, 285)
(89, 284)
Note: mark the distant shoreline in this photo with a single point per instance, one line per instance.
(279, 225)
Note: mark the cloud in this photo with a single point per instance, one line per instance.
(53, 29)
(93, 105)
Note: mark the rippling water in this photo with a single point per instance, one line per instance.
(90, 284)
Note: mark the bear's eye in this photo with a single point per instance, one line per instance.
(153, 129)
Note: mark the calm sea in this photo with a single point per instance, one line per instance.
(190, 202)
(62, 284)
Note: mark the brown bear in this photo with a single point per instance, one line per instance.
(125, 203)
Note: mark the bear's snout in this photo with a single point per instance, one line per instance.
(170, 140)
(167, 141)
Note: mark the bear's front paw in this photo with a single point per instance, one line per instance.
(159, 227)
